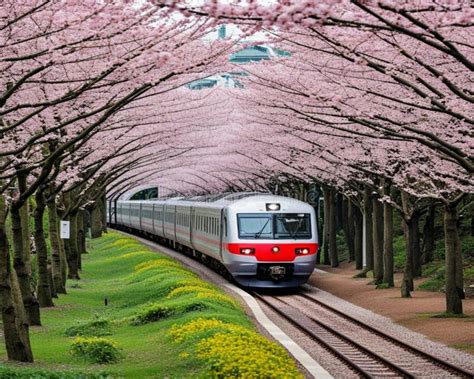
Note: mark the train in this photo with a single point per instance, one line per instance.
(262, 240)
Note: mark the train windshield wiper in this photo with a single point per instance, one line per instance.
(259, 233)
(293, 235)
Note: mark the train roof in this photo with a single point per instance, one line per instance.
(238, 199)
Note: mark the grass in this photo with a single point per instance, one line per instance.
(468, 347)
(138, 284)
(450, 315)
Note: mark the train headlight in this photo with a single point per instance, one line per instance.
(303, 251)
(275, 249)
(247, 250)
(272, 206)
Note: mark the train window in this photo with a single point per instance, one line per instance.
(225, 226)
(255, 225)
(292, 225)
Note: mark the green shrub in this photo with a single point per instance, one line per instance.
(342, 249)
(155, 312)
(467, 244)
(95, 328)
(152, 313)
(435, 282)
(469, 273)
(96, 349)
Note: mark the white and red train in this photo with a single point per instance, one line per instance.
(262, 240)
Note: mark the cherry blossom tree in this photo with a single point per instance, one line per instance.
(68, 68)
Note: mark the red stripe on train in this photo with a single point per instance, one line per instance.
(264, 251)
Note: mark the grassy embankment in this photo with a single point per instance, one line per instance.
(163, 319)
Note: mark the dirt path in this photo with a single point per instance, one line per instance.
(414, 313)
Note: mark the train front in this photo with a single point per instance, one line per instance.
(270, 241)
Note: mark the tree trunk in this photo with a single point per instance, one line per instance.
(408, 274)
(451, 238)
(64, 267)
(14, 318)
(96, 220)
(71, 249)
(369, 244)
(377, 229)
(54, 293)
(348, 223)
(429, 236)
(318, 228)
(56, 268)
(459, 264)
(339, 209)
(22, 265)
(104, 211)
(387, 241)
(415, 231)
(62, 249)
(358, 238)
(326, 231)
(333, 228)
(81, 234)
(80, 237)
(44, 290)
(407, 281)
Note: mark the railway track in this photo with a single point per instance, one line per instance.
(337, 331)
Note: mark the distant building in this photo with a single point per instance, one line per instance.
(248, 54)
(225, 80)
(252, 54)
(221, 32)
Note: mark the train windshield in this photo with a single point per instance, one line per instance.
(255, 226)
(274, 226)
(292, 225)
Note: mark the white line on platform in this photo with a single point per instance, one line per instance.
(313, 367)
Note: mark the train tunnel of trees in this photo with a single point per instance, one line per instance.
(367, 115)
